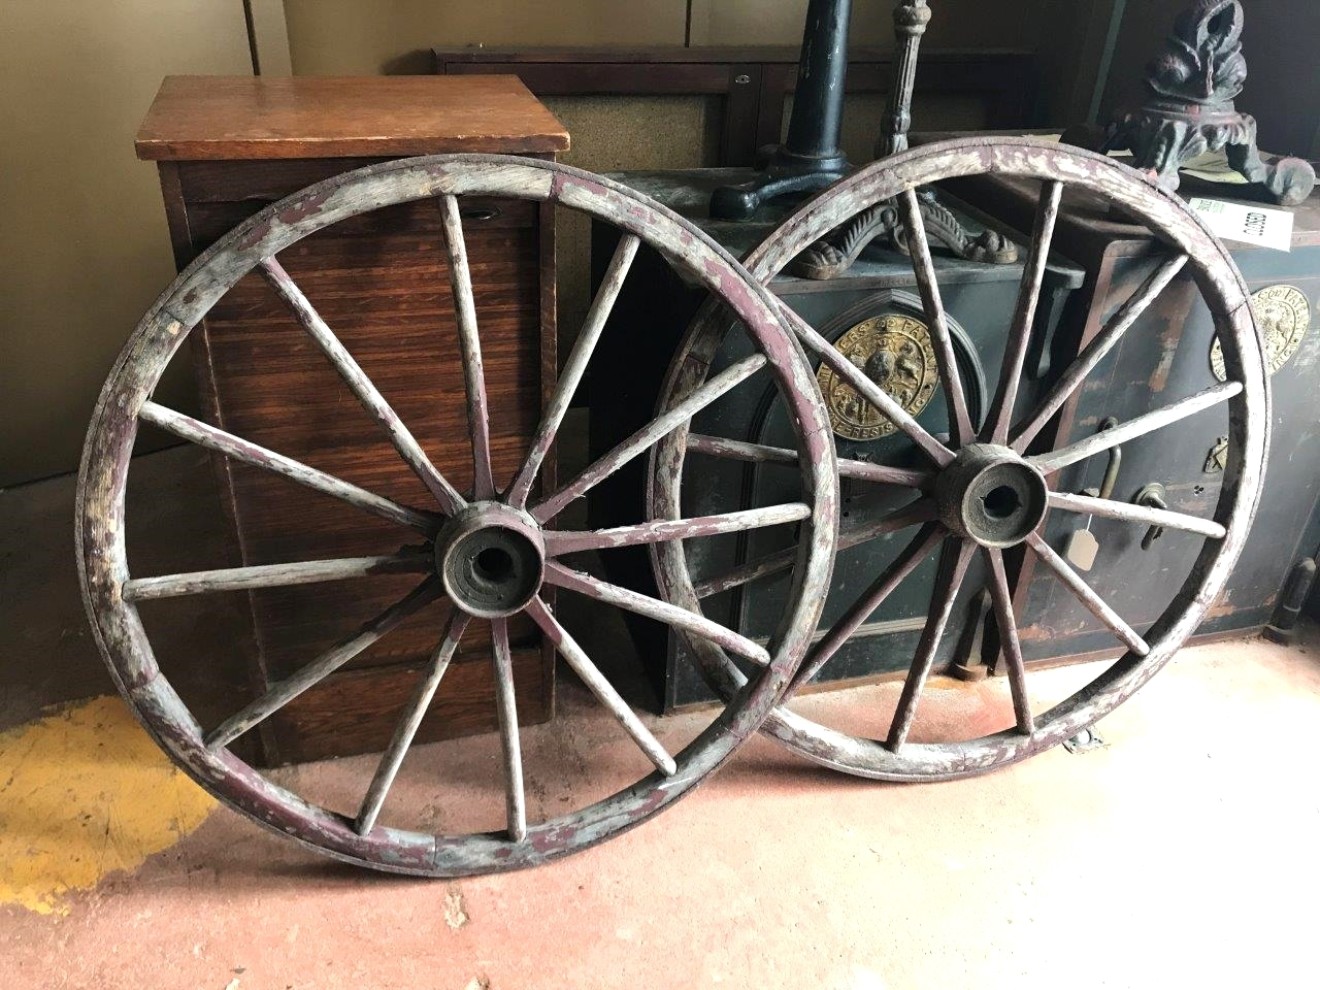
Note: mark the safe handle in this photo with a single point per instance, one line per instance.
(1153, 496)
(1106, 489)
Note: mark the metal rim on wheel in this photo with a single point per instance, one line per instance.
(489, 551)
(949, 508)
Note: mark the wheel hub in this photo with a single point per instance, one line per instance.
(991, 495)
(490, 558)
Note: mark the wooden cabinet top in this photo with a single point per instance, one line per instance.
(251, 117)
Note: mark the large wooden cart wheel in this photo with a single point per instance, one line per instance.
(984, 490)
(487, 551)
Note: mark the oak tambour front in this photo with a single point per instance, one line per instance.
(228, 147)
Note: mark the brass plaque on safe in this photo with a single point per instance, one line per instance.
(1284, 315)
(896, 353)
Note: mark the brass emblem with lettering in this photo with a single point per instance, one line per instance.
(896, 353)
(1284, 316)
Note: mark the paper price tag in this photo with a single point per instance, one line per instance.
(1247, 224)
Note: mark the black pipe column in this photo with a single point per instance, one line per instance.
(810, 158)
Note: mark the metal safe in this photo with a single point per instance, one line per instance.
(1172, 350)
(654, 310)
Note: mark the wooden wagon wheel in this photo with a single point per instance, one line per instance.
(487, 551)
(985, 491)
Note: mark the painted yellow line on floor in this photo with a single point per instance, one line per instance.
(85, 792)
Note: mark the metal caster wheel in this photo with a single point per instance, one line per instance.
(977, 496)
(483, 555)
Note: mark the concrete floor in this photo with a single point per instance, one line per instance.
(1181, 854)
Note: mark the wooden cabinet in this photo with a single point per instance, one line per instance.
(227, 147)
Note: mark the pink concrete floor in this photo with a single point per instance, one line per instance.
(1182, 854)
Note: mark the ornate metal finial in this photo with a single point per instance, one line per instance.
(910, 20)
(1192, 84)
(1202, 61)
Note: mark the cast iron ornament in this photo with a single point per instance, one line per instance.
(835, 253)
(1190, 110)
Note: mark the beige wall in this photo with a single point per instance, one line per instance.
(954, 23)
(363, 36)
(347, 37)
(84, 248)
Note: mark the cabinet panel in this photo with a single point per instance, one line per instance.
(381, 282)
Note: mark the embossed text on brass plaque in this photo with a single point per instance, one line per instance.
(1284, 316)
(896, 353)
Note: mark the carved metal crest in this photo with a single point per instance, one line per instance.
(895, 352)
(1284, 315)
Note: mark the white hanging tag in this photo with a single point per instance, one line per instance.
(1083, 548)
(1246, 224)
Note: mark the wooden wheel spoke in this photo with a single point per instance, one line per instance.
(323, 666)
(953, 568)
(1002, 597)
(1024, 317)
(560, 542)
(653, 608)
(571, 377)
(921, 511)
(597, 683)
(1096, 605)
(927, 282)
(417, 560)
(738, 450)
(842, 366)
(506, 706)
(406, 730)
(1095, 351)
(646, 437)
(205, 435)
(377, 407)
(921, 547)
(1142, 514)
(1134, 428)
(469, 339)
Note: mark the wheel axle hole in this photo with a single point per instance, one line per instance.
(1002, 502)
(493, 565)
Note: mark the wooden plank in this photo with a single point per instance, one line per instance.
(447, 59)
(253, 117)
